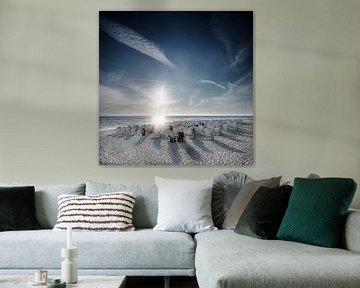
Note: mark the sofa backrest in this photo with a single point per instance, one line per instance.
(46, 200)
(146, 203)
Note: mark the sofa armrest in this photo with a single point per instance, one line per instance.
(351, 234)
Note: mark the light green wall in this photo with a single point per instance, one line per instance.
(307, 90)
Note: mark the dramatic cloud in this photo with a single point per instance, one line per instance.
(130, 38)
(112, 100)
(136, 96)
(215, 78)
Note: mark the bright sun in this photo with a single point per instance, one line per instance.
(159, 107)
(159, 120)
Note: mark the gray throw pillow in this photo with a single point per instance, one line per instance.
(243, 198)
(184, 205)
(226, 187)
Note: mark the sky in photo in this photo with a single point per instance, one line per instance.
(175, 63)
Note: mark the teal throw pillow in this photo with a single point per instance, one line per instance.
(316, 211)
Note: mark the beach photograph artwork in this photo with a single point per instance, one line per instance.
(176, 88)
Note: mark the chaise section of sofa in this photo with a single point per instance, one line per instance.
(225, 259)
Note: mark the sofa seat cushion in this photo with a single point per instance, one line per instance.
(142, 249)
(226, 259)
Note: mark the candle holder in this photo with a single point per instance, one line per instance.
(69, 271)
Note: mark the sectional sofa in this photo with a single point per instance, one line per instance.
(219, 259)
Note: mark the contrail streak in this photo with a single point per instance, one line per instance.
(209, 82)
(131, 38)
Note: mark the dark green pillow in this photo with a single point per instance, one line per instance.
(316, 211)
(264, 212)
(17, 208)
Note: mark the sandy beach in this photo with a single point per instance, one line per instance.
(118, 147)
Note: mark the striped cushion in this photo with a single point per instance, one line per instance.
(105, 212)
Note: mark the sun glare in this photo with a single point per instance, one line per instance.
(159, 120)
(159, 107)
(160, 97)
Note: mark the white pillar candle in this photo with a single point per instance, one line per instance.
(69, 237)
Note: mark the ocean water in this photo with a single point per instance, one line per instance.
(111, 122)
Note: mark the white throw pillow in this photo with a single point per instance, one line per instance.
(184, 205)
(105, 212)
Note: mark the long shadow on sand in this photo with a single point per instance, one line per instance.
(246, 130)
(127, 137)
(239, 135)
(227, 147)
(200, 143)
(173, 149)
(157, 142)
(232, 136)
(194, 155)
(117, 135)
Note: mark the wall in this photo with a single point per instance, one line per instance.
(307, 95)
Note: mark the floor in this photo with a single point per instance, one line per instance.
(158, 282)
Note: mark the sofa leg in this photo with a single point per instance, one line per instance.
(167, 282)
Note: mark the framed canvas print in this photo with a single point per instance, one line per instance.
(176, 88)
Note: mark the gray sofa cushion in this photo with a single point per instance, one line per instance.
(143, 249)
(46, 200)
(146, 204)
(226, 259)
